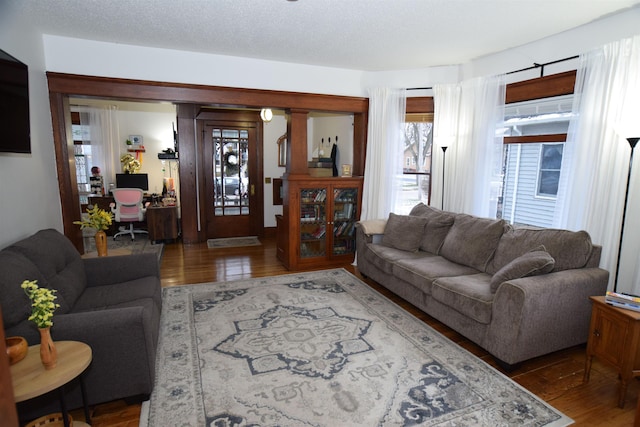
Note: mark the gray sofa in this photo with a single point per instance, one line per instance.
(113, 304)
(516, 292)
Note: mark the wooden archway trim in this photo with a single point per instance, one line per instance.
(188, 98)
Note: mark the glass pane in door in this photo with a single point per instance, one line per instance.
(345, 208)
(313, 222)
(231, 175)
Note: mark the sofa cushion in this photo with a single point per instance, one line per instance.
(16, 268)
(385, 257)
(531, 263)
(59, 262)
(404, 232)
(472, 240)
(438, 225)
(422, 272)
(470, 295)
(569, 249)
(103, 297)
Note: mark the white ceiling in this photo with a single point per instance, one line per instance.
(368, 35)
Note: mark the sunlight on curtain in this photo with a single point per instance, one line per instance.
(104, 139)
(466, 117)
(383, 168)
(596, 155)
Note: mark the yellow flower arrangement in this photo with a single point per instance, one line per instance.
(129, 163)
(42, 303)
(98, 219)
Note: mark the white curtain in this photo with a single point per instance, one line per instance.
(467, 115)
(104, 138)
(383, 167)
(596, 155)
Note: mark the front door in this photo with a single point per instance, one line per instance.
(231, 175)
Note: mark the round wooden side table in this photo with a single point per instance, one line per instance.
(30, 379)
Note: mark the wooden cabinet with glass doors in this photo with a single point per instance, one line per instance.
(322, 217)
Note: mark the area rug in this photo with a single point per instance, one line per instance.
(125, 246)
(320, 349)
(232, 242)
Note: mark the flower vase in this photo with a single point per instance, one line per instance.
(101, 243)
(48, 353)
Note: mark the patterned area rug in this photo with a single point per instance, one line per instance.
(320, 349)
(233, 242)
(125, 246)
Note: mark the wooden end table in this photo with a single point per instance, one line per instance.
(614, 338)
(30, 379)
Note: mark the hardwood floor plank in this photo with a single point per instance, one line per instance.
(556, 378)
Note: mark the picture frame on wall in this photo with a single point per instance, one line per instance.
(136, 140)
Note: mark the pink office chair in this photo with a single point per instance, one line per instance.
(128, 207)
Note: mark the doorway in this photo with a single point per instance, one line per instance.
(232, 141)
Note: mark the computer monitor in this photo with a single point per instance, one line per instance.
(132, 180)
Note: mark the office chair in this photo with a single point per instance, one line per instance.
(128, 207)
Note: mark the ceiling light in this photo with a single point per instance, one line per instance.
(266, 115)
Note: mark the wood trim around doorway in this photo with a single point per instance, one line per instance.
(190, 98)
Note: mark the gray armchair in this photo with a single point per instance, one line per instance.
(113, 304)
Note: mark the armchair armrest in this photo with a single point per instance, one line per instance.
(545, 313)
(108, 270)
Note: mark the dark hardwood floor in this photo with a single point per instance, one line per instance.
(556, 378)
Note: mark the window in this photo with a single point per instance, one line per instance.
(416, 176)
(550, 161)
(534, 134)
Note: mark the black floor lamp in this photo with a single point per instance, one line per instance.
(632, 143)
(444, 154)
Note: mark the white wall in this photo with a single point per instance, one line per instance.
(325, 126)
(272, 131)
(68, 55)
(29, 190)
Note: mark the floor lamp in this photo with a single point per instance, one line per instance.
(632, 143)
(444, 154)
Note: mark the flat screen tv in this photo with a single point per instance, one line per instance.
(132, 180)
(15, 133)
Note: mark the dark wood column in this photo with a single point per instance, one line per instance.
(188, 171)
(297, 143)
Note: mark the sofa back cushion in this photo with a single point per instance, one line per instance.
(471, 241)
(438, 225)
(58, 261)
(404, 232)
(16, 268)
(569, 249)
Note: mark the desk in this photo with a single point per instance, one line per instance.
(162, 222)
(30, 379)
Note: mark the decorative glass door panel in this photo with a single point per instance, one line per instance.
(313, 222)
(231, 178)
(345, 211)
(231, 205)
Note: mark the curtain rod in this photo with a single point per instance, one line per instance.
(533, 67)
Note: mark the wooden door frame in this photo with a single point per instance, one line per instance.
(234, 118)
(188, 98)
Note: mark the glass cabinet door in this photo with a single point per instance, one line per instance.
(345, 210)
(313, 222)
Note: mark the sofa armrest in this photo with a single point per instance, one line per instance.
(372, 226)
(123, 342)
(545, 313)
(117, 269)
